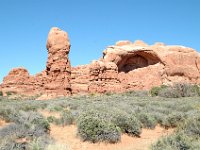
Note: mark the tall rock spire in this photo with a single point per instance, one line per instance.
(58, 68)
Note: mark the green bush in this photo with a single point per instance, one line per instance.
(66, 118)
(1, 93)
(28, 125)
(93, 128)
(177, 141)
(147, 120)
(128, 124)
(155, 90)
(9, 93)
(6, 114)
(170, 92)
(172, 120)
(51, 119)
(136, 93)
(197, 89)
(179, 90)
(192, 126)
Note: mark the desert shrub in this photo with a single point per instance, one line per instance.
(1, 93)
(177, 141)
(147, 120)
(197, 89)
(170, 92)
(32, 120)
(6, 113)
(8, 93)
(28, 107)
(10, 144)
(53, 107)
(66, 118)
(155, 90)
(108, 93)
(136, 93)
(93, 128)
(128, 124)
(28, 125)
(36, 144)
(173, 120)
(187, 90)
(192, 126)
(180, 90)
(51, 119)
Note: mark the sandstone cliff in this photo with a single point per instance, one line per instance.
(124, 66)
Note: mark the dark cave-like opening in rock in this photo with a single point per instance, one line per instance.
(137, 61)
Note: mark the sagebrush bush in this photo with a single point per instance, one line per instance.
(9, 93)
(147, 120)
(6, 114)
(136, 93)
(177, 141)
(52, 119)
(67, 118)
(173, 120)
(170, 92)
(128, 124)
(1, 93)
(197, 89)
(28, 125)
(107, 109)
(95, 129)
(187, 90)
(36, 144)
(179, 90)
(155, 90)
(192, 126)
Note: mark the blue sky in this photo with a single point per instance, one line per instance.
(92, 25)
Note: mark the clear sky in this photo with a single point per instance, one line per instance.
(92, 25)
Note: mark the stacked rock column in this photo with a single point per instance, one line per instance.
(58, 68)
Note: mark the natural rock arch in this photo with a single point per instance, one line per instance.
(137, 60)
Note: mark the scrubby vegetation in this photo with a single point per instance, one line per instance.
(186, 137)
(176, 91)
(103, 118)
(1, 93)
(26, 129)
(93, 127)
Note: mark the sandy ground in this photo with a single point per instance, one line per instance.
(3, 123)
(48, 114)
(67, 136)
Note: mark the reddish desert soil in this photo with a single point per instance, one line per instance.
(3, 123)
(67, 136)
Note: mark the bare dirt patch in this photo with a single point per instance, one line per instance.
(3, 123)
(68, 135)
(48, 114)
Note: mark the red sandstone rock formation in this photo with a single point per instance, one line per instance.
(52, 82)
(58, 67)
(124, 66)
(137, 66)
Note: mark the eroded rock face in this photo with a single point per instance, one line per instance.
(50, 83)
(19, 81)
(137, 66)
(125, 66)
(58, 67)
